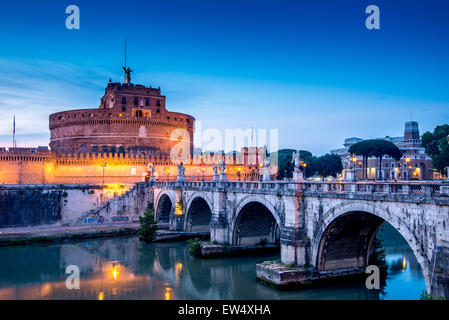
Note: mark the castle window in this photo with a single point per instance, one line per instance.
(136, 101)
(158, 103)
(123, 108)
(158, 110)
(147, 102)
(168, 118)
(141, 113)
(123, 100)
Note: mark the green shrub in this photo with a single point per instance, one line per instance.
(426, 296)
(147, 226)
(194, 246)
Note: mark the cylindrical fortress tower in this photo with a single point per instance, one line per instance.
(131, 118)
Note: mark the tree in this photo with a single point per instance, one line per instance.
(437, 146)
(328, 165)
(365, 149)
(286, 166)
(147, 226)
(375, 148)
(383, 148)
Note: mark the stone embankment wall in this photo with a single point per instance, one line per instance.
(125, 208)
(43, 205)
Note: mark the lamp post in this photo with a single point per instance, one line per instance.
(238, 173)
(103, 164)
(202, 169)
(354, 160)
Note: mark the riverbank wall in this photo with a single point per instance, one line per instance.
(66, 205)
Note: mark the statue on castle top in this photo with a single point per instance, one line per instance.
(127, 74)
(215, 169)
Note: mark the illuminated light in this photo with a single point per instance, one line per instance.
(178, 269)
(167, 293)
(260, 164)
(115, 272)
(407, 159)
(46, 289)
(178, 209)
(239, 169)
(404, 263)
(101, 296)
(120, 115)
(354, 159)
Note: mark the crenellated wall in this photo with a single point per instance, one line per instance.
(36, 166)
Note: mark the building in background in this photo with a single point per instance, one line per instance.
(414, 165)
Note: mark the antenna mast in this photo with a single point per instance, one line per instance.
(14, 132)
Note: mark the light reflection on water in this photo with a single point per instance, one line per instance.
(124, 268)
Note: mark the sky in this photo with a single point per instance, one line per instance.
(310, 69)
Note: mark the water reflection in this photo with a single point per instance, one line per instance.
(124, 268)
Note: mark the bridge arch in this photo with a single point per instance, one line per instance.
(346, 237)
(255, 220)
(198, 213)
(165, 205)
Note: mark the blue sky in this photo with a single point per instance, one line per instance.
(308, 68)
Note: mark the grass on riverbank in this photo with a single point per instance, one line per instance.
(67, 237)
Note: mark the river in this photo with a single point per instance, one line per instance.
(125, 268)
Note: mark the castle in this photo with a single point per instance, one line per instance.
(119, 142)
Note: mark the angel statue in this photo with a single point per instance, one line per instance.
(222, 165)
(296, 159)
(266, 163)
(181, 169)
(127, 74)
(349, 163)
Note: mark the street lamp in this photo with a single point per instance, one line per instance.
(203, 173)
(103, 164)
(238, 173)
(354, 160)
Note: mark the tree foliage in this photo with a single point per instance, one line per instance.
(285, 162)
(327, 165)
(147, 226)
(437, 146)
(375, 148)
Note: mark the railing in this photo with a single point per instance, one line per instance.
(406, 187)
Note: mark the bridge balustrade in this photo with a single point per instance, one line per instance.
(412, 188)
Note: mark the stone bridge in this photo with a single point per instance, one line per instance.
(325, 226)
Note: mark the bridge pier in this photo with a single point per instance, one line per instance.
(440, 275)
